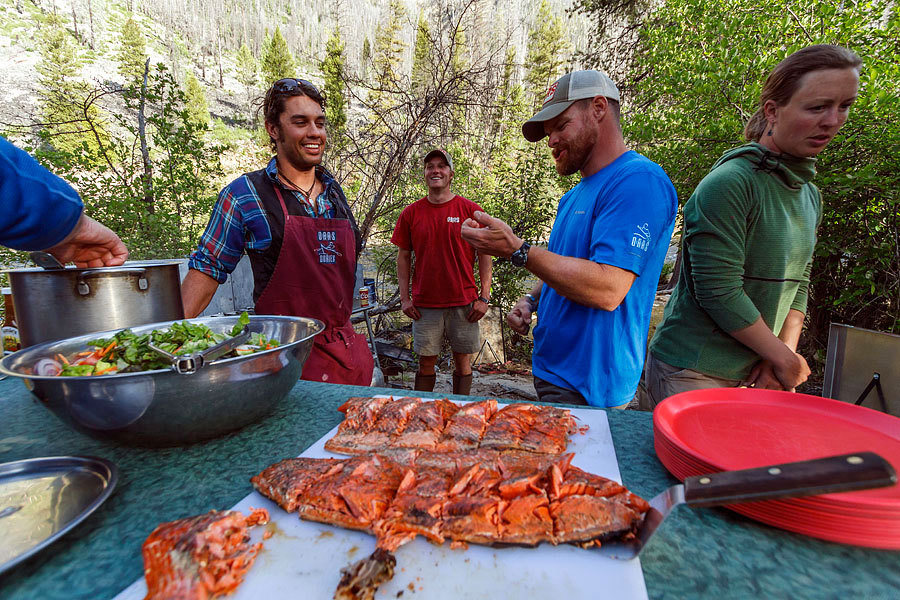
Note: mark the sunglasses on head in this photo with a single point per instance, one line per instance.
(290, 85)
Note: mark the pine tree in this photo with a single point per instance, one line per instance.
(132, 52)
(389, 48)
(421, 54)
(63, 97)
(59, 53)
(511, 102)
(548, 51)
(366, 57)
(333, 69)
(458, 64)
(277, 61)
(247, 74)
(246, 66)
(195, 101)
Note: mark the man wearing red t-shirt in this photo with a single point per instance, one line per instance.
(445, 298)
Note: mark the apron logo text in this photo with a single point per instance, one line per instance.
(327, 253)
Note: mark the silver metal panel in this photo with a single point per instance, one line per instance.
(233, 296)
(854, 355)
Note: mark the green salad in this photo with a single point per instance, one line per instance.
(128, 352)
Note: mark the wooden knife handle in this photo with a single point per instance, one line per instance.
(858, 471)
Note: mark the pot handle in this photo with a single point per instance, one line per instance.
(84, 289)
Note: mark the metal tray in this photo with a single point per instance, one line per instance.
(43, 498)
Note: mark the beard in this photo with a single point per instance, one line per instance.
(578, 150)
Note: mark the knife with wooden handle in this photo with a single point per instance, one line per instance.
(845, 473)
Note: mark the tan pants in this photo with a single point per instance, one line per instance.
(661, 380)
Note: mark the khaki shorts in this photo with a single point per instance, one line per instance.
(661, 380)
(429, 331)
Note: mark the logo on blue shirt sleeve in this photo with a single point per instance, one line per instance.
(641, 238)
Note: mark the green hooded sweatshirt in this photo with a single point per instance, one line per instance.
(749, 236)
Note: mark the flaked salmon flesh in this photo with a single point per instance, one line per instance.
(200, 557)
(482, 497)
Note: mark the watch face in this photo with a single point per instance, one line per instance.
(520, 256)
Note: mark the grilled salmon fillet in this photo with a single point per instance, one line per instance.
(483, 497)
(379, 424)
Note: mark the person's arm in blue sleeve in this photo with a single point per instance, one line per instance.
(42, 211)
(39, 208)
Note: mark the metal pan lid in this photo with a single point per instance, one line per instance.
(41, 499)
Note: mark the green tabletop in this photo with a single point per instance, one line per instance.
(699, 553)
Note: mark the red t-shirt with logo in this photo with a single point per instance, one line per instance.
(444, 270)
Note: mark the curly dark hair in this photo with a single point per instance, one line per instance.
(273, 102)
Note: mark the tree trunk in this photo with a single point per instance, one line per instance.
(91, 19)
(219, 60)
(75, 21)
(147, 177)
(676, 272)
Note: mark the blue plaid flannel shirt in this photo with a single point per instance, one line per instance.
(239, 223)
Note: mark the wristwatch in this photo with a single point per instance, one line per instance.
(520, 256)
(483, 299)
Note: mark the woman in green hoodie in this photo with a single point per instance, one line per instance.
(749, 233)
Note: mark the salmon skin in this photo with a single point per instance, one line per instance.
(482, 497)
(201, 557)
(378, 424)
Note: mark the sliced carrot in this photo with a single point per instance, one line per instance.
(62, 359)
(108, 348)
(112, 369)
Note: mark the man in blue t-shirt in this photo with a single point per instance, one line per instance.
(599, 273)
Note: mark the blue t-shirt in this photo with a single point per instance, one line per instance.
(622, 216)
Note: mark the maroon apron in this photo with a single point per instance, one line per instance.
(315, 276)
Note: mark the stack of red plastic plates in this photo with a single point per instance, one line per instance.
(707, 431)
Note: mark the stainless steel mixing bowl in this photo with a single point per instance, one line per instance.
(164, 407)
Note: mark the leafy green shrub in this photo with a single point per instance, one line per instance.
(696, 78)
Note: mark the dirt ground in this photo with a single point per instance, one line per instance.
(511, 386)
(514, 384)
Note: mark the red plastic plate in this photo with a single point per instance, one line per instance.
(874, 531)
(739, 428)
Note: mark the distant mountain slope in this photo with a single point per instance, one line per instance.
(204, 36)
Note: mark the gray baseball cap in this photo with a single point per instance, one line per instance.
(565, 91)
(443, 154)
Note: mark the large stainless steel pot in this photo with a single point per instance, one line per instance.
(57, 304)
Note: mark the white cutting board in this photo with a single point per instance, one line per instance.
(304, 559)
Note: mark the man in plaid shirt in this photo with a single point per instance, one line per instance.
(293, 221)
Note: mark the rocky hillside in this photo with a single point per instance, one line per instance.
(204, 37)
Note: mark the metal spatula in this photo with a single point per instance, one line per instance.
(844, 473)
